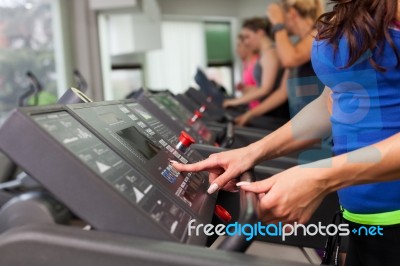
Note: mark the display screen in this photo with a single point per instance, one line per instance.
(110, 118)
(139, 142)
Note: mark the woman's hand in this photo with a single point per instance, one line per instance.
(230, 103)
(276, 14)
(240, 86)
(223, 168)
(290, 196)
(243, 119)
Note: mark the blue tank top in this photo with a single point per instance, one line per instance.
(366, 110)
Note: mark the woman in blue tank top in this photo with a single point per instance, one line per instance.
(356, 55)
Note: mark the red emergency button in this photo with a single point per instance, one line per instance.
(198, 113)
(223, 214)
(203, 108)
(186, 139)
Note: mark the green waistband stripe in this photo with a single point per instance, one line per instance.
(386, 218)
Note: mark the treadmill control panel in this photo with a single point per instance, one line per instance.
(117, 152)
(115, 171)
(134, 132)
(180, 114)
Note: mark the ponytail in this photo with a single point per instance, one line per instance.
(306, 8)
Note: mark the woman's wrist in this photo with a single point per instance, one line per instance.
(333, 173)
(255, 152)
(250, 114)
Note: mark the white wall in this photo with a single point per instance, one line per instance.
(215, 8)
(253, 8)
(220, 8)
(210, 8)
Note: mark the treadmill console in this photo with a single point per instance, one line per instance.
(182, 117)
(109, 163)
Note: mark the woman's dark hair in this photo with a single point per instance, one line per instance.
(256, 24)
(364, 23)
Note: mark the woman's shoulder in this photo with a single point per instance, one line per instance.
(322, 44)
(268, 53)
(329, 53)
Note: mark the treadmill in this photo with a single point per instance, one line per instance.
(210, 92)
(108, 162)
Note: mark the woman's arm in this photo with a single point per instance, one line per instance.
(375, 163)
(289, 54)
(294, 195)
(276, 99)
(309, 126)
(270, 68)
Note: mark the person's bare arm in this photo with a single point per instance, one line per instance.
(289, 54)
(270, 68)
(293, 55)
(294, 195)
(276, 99)
(308, 127)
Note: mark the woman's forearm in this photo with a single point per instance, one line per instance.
(375, 163)
(293, 55)
(284, 47)
(309, 126)
(255, 94)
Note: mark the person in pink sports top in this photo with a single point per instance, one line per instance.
(267, 71)
(249, 60)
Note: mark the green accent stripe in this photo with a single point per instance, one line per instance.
(386, 218)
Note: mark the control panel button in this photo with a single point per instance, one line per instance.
(185, 140)
(222, 213)
(203, 108)
(197, 114)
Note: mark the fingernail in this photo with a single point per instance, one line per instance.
(173, 162)
(214, 187)
(243, 184)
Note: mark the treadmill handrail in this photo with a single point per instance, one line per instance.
(35, 85)
(248, 215)
(26, 95)
(48, 245)
(80, 81)
(229, 135)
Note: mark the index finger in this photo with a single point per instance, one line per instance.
(195, 167)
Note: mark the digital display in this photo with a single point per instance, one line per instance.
(139, 142)
(143, 113)
(110, 118)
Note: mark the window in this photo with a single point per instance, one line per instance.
(174, 66)
(220, 59)
(186, 46)
(126, 79)
(26, 44)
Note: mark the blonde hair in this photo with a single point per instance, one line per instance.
(306, 8)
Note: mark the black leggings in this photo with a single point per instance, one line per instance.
(374, 250)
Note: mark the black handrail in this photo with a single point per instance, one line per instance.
(35, 85)
(80, 81)
(229, 135)
(248, 215)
